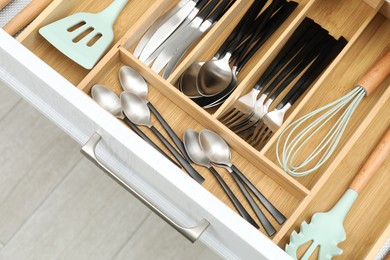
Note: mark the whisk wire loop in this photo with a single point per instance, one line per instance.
(295, 142)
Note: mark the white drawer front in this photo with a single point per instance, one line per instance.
(129, 157)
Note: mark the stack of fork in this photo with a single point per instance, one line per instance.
(301, 60)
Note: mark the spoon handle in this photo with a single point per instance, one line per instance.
(179, 144)
(186, 165)
(233, 198)
(260, 215)
(279, 217)
(146, 138)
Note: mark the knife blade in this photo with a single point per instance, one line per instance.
(153, 28)
(166, 29)
(174, 56)
(182, 40)
(182, 26)
(193, 31)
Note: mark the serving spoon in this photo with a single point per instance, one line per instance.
(108, 100)
(197, 155)
(133, 82)
(218, 152)
(138, 112)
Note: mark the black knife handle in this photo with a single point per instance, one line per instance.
(147, 139)
(279, 217)
(179, 144)
(186, 165)
(260, 215)
(233, 198)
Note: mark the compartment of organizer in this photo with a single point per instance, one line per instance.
(369, 216)
(340, 18)
(181, 114)
(31, 38)
(209, 43)
(338, 81)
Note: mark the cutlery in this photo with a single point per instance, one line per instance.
(219, 153)
(276, 20)
(138, 112)
(272, 121)
(24, 17)
(188, 79)
(192, 32)
(166, 29)
(178, 31)
(108, 100)
(215, 75)
(154, 27)
(326, 228)
(248, 108)
(191, 142)
(342, 108)
(133, 82)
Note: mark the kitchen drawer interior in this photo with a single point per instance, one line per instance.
(210, 44)
(369, 217)
(297, 198)
(170, 103)
(340, 80)
(327, 14)
(60, 9)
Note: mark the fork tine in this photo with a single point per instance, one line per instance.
(265, 139)
(227, 114)
(258, 131)
(242, 121)
(239, 117)
(251, 124)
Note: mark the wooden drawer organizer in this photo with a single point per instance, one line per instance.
(358, 21)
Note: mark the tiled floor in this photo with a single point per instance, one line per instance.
(54, 204)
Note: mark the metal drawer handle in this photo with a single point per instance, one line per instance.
(191, 234)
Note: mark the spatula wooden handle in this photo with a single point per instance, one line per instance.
(24, 17)
(4, 3)
(376, 75)
(372, 164)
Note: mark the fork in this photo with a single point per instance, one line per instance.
(243, 108)
(291, 71)
(273, 120)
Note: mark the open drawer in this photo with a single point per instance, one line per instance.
(60, 89)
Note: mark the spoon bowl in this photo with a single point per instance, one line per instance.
(187, 83)
(215, 148)
(214, 77)
(107, 99)
(194, 150)
(133, 82)
(135, 109)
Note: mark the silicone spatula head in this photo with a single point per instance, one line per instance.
(84, 37)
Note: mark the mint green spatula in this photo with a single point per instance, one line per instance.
(326, 229)
(84, 37)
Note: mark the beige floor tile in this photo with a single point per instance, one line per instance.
(157, 240)
(35, 157)
(88, 216)
(8, 99)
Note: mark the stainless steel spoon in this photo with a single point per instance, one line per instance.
(218, 151)
(138, 112)
(197, 155)
(133, 82)
(108, 100)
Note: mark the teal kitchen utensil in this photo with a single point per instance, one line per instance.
(84, 37)
(326, 229)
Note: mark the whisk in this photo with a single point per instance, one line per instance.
(296, 140)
